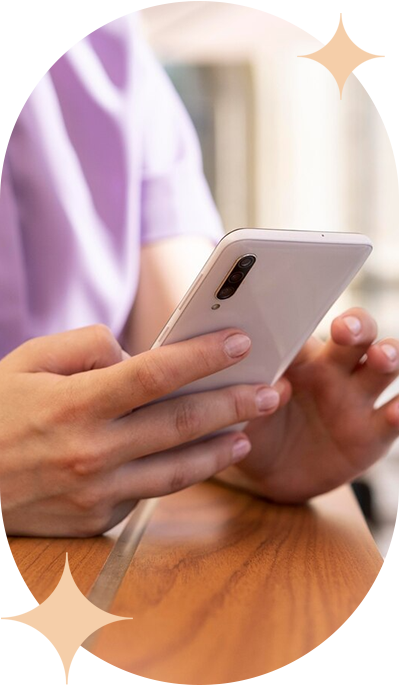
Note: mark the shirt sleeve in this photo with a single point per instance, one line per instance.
(175, 198)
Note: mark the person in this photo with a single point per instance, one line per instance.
(105, 218)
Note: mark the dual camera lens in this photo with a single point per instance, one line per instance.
(235, 277)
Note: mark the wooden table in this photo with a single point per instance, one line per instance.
(222, 586)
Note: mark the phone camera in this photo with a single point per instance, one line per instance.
(246, 262)
(226, 291)
(236, 277)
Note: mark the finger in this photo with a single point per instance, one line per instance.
(177, 421)
(386, 420)
(119, 389)
(167, 472)
(380, 368)
(82, 349)
(284, 389)
(307, 353)
(351, 335)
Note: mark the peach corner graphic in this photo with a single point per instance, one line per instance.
(353, 43)
(49, 637)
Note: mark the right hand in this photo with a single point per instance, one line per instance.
(79, 446)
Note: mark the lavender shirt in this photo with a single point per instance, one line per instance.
(103, 159)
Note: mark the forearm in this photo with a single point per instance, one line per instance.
(168, 268)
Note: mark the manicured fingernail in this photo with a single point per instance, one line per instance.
(237, 344)
(267, 398)
(390, 352)
(353, 324)
(241, 448)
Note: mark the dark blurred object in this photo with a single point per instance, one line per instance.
(364, 495)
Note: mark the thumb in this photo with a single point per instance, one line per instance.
(307, 353)
(82, 349)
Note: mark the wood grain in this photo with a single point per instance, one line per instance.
(226, 587)
(42, 560)
(113, 572)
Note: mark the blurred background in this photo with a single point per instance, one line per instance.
(280, 149)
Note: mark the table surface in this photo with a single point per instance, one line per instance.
(223, 586)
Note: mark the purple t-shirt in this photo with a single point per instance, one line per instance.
(103, 159)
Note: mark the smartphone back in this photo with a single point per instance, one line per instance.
(296, 278)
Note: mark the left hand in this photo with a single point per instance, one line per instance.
(327, 430)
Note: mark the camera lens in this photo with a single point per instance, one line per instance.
(236, 277)
(225, 292)
(246, 262)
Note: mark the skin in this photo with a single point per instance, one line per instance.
(79, 446)
(326, 431)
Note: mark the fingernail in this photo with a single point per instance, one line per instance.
(353, 324)
(267, 398)
(241, 448)
(390, 352)
(237, 344)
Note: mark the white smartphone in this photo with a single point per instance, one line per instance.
(276, 285)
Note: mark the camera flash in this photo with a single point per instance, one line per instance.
(215, 306)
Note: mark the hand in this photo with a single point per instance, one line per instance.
(327, 430)
(79, 446)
